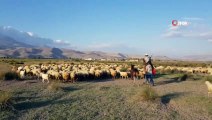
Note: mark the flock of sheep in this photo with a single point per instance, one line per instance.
(89, 71)
(73, 72)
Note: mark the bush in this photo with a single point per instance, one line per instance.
(208, 78)
(54, 86)
(123, 69)
(188, 76)
(2, 76)
(194, 77)
(5, 99)
(183, 77)
(9, 75)
(149, 93)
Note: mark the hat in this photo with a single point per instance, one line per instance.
(146, 54)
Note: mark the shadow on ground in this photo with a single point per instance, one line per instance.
(165, 99)
(25, 103)
(172, 80)
(69, 89)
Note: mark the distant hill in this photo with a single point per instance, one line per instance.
(19, 44)
(197, 58)
(55, 53)
(8, 42)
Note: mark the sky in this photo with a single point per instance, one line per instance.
(126, 26)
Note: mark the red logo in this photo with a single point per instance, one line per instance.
(174, 22)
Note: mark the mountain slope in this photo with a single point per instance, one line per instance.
(27, 37)
(10, 43)
(55, 53)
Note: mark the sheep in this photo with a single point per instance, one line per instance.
(97, 73)
(113, 74)
(141, 74)
(13, 69)
(159, 68)
(209, 85)
(19, 69)
(36, 72)
(124, 75)
(56, 75)
(22, 74)
(204, 70)
(73, 76)
(210, 71)
(45, 77)
(65, 76)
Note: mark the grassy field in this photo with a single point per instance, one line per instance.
(105, 99)
(108, 99)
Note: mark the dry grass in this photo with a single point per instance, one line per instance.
(208, 78)
(54, 86)
(5, 99)
(148, 93)
(6, 73)
(144, 93)
(4, 69)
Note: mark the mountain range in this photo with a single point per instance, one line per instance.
(19, 44)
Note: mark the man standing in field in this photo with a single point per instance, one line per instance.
(148, 69)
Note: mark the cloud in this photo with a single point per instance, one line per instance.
(30, 33)
(61, 43)
(113, 47)
(209, 40)
(193, 18)
(194, 31)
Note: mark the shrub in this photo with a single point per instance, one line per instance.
(194, 77)
(208, 78)
(2, 75)
(54, 86)
(123, 69)
(11, 76)
(188, 76)
(149, 93)
(5, 99)
(183, 77)
(8, 75)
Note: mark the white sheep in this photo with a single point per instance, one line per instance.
(22, 74)
(73, 76)
(209, 85)
(45, 77)
(124, 75)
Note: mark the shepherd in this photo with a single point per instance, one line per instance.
(148, 66)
